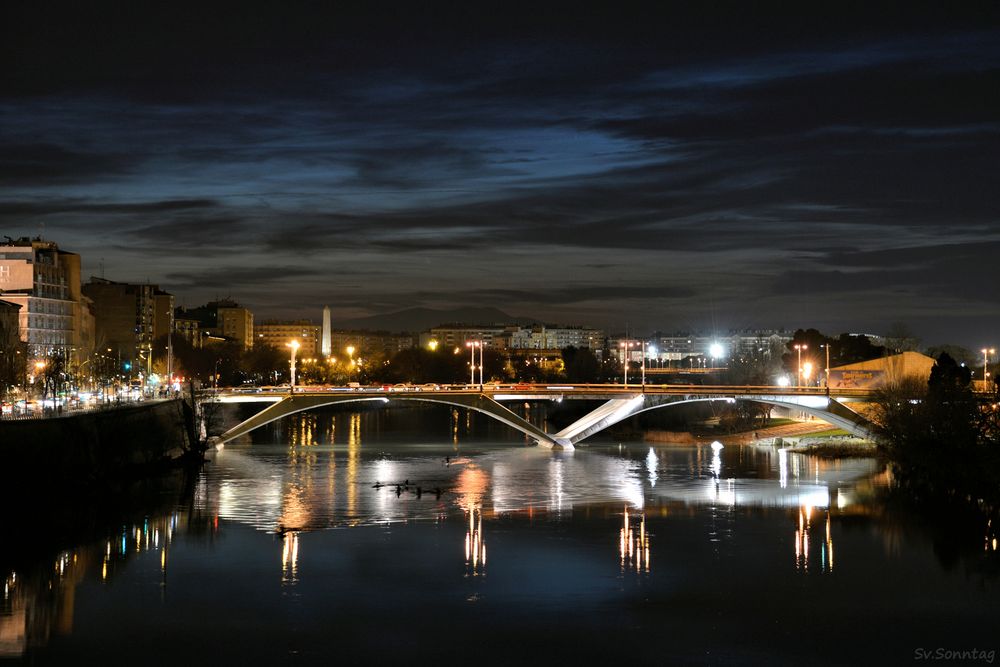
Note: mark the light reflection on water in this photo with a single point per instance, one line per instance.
(259, 485)
(572, 531)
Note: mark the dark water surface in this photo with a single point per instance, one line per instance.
(283, 550)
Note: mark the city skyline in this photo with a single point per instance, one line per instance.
(671, 170)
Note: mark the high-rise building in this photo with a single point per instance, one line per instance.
(277, 334)
(12, 361)
(125, 316)
(327, 348)
(45, 282)
(223, 320)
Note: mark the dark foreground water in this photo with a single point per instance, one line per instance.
(300, 548)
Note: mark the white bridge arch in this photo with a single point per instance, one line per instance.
(619, 403)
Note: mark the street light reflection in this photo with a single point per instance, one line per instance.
(475, 545)
(289, 557)
(633, 547)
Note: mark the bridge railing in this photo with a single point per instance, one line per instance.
(554, 389)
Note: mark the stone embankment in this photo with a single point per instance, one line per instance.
(80, 449)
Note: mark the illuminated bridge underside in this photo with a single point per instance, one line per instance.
(617, 407)
(478, 402)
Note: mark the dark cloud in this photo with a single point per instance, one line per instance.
(683, 163)
(50, 164)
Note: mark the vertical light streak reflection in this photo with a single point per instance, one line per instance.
(353, 462)
(475, 544)
(651, 465)
(289, 557)
(803, 537)
(633, 548)
(783, 468)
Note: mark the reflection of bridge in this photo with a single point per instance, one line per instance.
(620, 403)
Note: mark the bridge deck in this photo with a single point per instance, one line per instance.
(544, 392)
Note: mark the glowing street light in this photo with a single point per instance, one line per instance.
(625, 345)
(987, 351)
(472, 345)
(294, 346)
(432, 346)
(799, 347)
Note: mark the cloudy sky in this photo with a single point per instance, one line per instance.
(717, 168)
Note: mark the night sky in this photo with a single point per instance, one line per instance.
(713, 168)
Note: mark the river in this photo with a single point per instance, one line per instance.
(430, 535)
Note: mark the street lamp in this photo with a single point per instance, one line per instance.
(624, 346)
(472, 345)
(294, 346)
(987, 351)
(799, 347)
(827, 346)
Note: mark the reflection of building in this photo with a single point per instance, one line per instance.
(40, 602)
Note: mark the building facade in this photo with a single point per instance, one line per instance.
(542, 337)
(45, 282)
(217, 321)
(277, 334)
(125, 318)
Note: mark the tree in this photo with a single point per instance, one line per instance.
(899, 338)
(944, 440)
(812, 353)
(265, 364)
(581, 365)
(756, 366)
(13, 359)
(850, 349)
(961, 355)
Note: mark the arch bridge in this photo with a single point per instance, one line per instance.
(619, 402)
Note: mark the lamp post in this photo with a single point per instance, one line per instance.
(827, 346)
(472, 345)
(350, 360)
(624, 347)
(294, 346)
(987, 351)
(799, 347)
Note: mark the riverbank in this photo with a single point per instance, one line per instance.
(809, 437)
(78, 450)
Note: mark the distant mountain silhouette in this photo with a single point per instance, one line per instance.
(421, 319)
